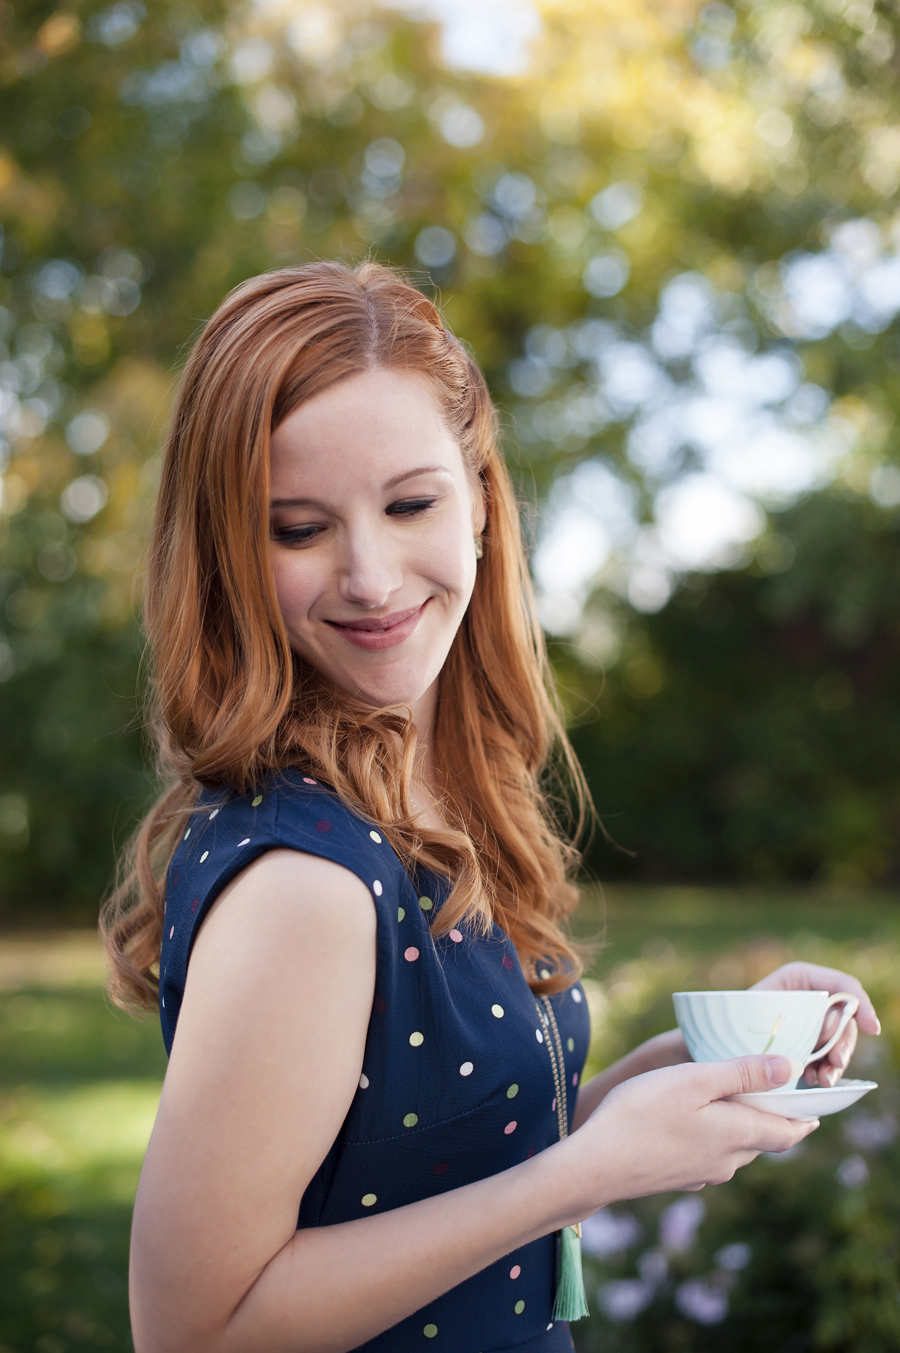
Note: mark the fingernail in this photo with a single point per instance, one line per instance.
(878, 1025)
(779, 1070)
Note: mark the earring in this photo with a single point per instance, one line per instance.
(479, 547)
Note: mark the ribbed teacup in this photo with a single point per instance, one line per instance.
(722, 1024)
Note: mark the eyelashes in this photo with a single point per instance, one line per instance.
(303, 535)
(409, 507)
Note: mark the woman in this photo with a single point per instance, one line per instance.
(362, 1137)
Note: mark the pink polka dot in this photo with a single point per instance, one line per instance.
(507, 962)
(441, 1168)
(171, 932)
(529, 1154)
(510, 1127)
(195, 904)
(575, 1079)
(411, 954)
(456, 936)
(515, 1271)
(380, 1004)
(175, 876)
(323, 826)
(553, 1105)
(308, 780)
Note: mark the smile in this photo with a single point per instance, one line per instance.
(374, 633)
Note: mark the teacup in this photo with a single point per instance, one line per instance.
(721, 1024)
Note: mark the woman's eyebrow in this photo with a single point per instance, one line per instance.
(391, 484)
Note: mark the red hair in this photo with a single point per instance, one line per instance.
(232, 702)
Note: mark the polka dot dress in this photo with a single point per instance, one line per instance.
(456, 1083)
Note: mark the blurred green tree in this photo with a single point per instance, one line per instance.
(154, 155)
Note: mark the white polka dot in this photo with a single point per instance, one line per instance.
(416, 1039)
(538, 1035)
(376, 838)
(576, 996)
(467, 1068)
(171, 932)
(497, 1011)
(203, 856)
(164, 1002)
(377, 889)
(570, 1044)
(363, 1082)
(456, 936)
(411, 954)
(213, 814)
(187, 834)
(544, 974)
(550, 1326)
(245, 842)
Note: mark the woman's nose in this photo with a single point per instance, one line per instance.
(371, 571)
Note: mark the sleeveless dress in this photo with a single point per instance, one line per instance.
(456, 1084)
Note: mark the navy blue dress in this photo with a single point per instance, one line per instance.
(456, 1082)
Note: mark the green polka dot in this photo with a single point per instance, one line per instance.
(512, 1091)
(416, 1040)
(369, 1199)
(400, 913)
(257, 801)
(430, 1331)
(519, 1307)
(203, 856)
(410, 1119)
(570, 1044)
(426, 903)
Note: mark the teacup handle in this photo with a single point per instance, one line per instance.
(850, 1009)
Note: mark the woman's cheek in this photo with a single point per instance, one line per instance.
(295, 590)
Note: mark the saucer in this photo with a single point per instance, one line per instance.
(814, 1102)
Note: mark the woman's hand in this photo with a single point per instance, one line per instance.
(811, 977)
(674, 1129)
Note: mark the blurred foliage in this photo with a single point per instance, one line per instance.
(155, 154)
(748, 729)
(79, 1084)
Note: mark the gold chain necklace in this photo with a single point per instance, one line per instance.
(570, 1303)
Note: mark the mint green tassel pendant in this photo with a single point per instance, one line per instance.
(571, 1302)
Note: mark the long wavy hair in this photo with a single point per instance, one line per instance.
(231, 702)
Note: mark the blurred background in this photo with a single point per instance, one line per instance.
(670, 233)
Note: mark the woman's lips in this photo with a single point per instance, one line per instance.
(385, 632)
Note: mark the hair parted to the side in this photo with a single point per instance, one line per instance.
(232, 703)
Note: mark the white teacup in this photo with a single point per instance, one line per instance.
(722, 1024)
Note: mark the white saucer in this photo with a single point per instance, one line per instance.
(814, 1102)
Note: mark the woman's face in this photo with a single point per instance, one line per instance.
(373, 514)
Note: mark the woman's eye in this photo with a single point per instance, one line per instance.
(409, 507)
(295, 535)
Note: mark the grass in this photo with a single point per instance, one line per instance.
(79, 1083)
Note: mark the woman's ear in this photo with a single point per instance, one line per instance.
(479, 506)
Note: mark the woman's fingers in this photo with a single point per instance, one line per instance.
(814, 977)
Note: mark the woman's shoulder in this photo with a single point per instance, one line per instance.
(228, 830)
(288, 808)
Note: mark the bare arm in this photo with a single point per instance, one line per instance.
(265, 1064)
